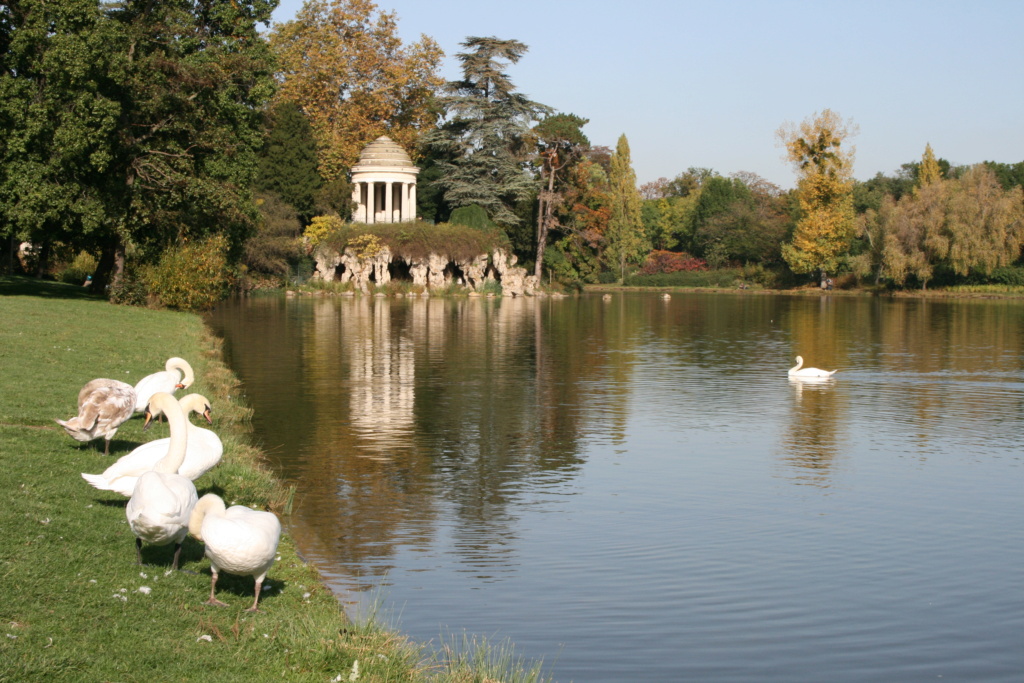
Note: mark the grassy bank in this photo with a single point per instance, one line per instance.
(76, 606)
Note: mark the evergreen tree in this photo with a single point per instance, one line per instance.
(288, 161)
(483, 148)
(625, 241)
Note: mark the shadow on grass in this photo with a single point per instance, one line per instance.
(18, 285)
(163, 555)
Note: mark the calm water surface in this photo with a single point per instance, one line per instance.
(634, 490)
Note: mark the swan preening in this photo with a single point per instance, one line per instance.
(803, 373)
(203, 450)
(238, 540)
(103, 405)
(158, 511)
(177, 374)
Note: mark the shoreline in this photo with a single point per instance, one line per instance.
(81, 608)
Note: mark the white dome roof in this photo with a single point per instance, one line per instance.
(384, 153)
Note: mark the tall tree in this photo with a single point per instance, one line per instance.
(191, 124)
(288, 160)
(139, 122)
(559, 144)
(484, 146)
(964, 225)
(62, 71)
(826, 225)
(343, 62)
(625, 241)
(929, 171)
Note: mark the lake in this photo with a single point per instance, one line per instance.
(634, 490)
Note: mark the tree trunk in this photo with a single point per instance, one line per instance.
(544, 211)
(110, 268)
(44, 259)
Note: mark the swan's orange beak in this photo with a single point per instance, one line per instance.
(206, 414)
(149, 419)
(179, 385)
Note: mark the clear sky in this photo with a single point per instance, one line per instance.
(707, 83)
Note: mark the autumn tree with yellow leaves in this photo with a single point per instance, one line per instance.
(344, 64)
(824, 190)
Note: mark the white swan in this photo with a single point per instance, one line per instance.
(177, 374)
(103, 405)
(203, 450)
(804, 373)
(239, 540)
(162, 502)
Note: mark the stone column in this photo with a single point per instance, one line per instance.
(388, 190)
(357, 205)
(412, 201)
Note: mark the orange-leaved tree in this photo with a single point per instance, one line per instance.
(344, 64)
(824, 190)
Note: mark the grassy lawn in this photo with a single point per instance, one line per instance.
(75, 604)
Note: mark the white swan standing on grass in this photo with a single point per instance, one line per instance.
(805, 373)
(162, 502)
(239, 540)
(177, 374)
(103, 405)
(203, 451)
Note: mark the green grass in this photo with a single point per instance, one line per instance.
(76, 606)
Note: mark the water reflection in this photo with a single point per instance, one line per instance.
(812, 440)
(649, 462)
(425, 419)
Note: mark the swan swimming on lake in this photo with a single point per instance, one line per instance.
(805, 373)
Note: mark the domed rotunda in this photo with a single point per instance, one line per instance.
(384, 184)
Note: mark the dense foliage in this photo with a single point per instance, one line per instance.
(482, 148)
(415, 241)
(130, 127)
(135, 131)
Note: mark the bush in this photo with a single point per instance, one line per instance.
(726, 277)
(671, 262)
(472, 216)
(130, 289)
(322, 227)
(275, 247)
(1009, 275)
(82, 267)
(193, 277)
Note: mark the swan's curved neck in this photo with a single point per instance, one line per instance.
(211, 502)
(799, 363)
(188, 376)
(178, 425)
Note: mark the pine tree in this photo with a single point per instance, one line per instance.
(625, 239)
(483, 149)
(288, 161)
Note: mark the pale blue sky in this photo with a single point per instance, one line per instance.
(708, 83)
